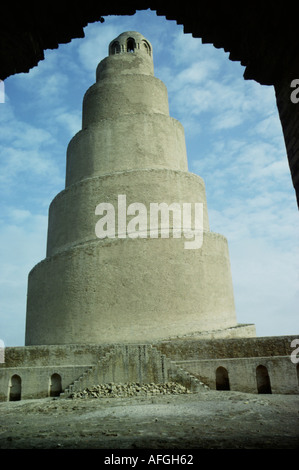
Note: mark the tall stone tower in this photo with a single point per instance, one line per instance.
(132, 285)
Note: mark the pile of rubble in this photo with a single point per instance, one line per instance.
(113, 390)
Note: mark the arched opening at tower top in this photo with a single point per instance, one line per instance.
(146, 47)
(115, 48)
(131, 45)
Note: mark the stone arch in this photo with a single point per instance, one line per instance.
(263, 380)
(15, 388)
(222, 380)
(55, 387)
(145, 46)
(115, 48)
(131, 45)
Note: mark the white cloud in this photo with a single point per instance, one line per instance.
(72, 121)
(227, 120)
(20, 165)
(94, 48)
(24, 136)
(187, 50)
(19, 214)
(52, 86)
(213, 89)
(196, 73)
(263, 245)
(22, 244)
(265, 278)
(27, 151)
(270, 128)
(46, 84)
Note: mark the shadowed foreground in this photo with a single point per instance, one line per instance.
(208, 420)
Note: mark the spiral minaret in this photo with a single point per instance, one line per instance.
(126, 288)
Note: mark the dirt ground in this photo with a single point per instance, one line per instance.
(207, 420)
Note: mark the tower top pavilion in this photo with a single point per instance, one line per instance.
(130, 41)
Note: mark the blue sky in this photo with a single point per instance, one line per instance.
(234, 142)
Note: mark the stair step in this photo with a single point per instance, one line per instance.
(167, 370)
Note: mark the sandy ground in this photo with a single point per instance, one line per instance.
(208, 420)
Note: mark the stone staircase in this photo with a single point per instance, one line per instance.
(134, 363)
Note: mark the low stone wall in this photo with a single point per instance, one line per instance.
(242, 373)
(36, 381)
(192, 363)
(189, 348)
(56, 355)
(240, 358)
(77, 367)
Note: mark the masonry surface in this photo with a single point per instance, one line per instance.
(128, 310)
(127, 289)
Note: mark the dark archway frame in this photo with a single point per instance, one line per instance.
(262, 36)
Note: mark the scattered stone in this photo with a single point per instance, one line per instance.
(113, 390)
